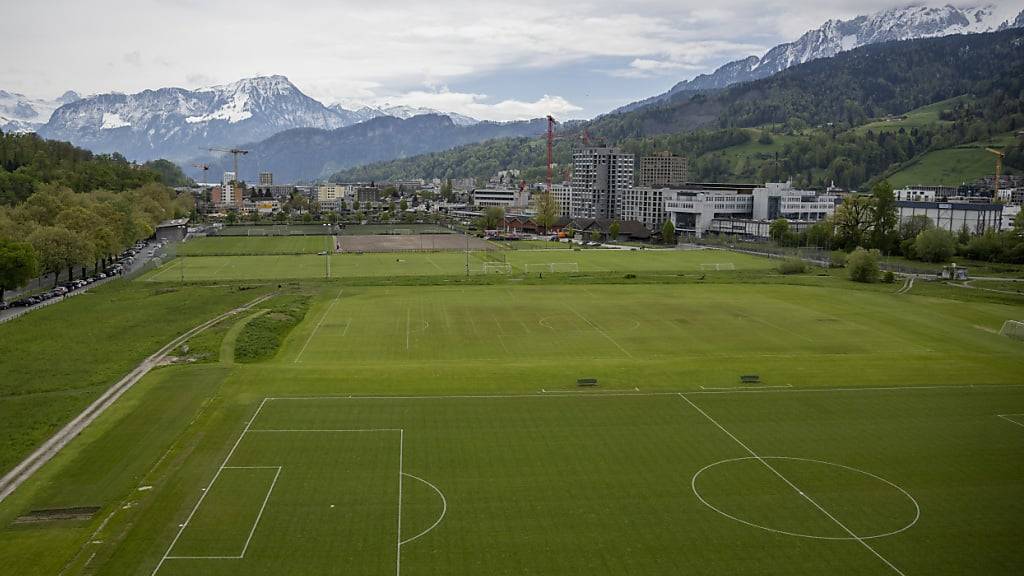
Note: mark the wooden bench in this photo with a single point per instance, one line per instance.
(750, 379)
(586, 382)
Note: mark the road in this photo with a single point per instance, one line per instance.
(46, 282)
(27, 467)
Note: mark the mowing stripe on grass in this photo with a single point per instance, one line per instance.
(602, 332)
(317, 327)
(793, 486)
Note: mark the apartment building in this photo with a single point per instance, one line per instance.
(600, 176)
(663, 170)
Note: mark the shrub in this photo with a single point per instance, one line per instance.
(934, 245)
(863, 265)
(889, 277)
(837, 259)
(792, 266)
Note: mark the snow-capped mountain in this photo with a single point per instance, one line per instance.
(175, 123)
(835, 36)
(366, 112)
(20, 113)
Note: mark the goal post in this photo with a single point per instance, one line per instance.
(1013, 329)
(718, 266)
(538, 267)
(497, 268)
(565, 266)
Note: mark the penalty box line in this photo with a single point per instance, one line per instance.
(793, 486)
(224, 466)
(1013, 418)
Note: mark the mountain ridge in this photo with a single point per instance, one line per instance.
(835, 36)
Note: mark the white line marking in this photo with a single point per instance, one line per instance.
(207, 489)
(398, 545)
(793, 486)
(908, 526)
(408, 314)
(744, 387)
(347, 324)
(1008, 418)
(317, 327)
(260, 515)
(793, 390)
(444, 509)
(602, 332)
(325, 430)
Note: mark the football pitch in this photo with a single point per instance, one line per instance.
(256, 245)
(273, 267)
(883, 481)
(439, 429)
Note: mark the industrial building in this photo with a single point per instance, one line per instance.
(955, 216)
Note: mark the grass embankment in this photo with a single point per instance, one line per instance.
(261, 336)
(58, 359)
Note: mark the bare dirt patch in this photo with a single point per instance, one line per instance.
(55, 514)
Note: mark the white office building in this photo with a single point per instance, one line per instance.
(700, 208)
(500, 197)
(645, 205)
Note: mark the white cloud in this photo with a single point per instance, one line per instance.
(348, 49)
(477, 105)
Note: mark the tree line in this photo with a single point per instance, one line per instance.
(871, 222)
(28, 161)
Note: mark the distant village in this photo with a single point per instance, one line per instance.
(605, 186)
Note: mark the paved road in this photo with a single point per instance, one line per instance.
(11, 313)
(27, 467)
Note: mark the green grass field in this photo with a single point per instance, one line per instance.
(438, 430)
(917, 118)
(952, 166)
(447, 264)
(255, 245)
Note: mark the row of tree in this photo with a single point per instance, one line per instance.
(872, 222)
(57, 230)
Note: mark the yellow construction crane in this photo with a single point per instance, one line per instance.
(999, 168)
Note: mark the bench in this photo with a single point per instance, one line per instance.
(586, 382)
(750, 379)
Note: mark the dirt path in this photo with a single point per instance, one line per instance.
(227, 346)
(27, 467)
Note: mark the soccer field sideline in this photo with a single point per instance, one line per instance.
(683, 395)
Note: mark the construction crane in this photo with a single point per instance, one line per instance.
(234, 152)
(999, 168)
(203, 167)
(551, 143)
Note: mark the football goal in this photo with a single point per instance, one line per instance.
(497, 268)
(403, 231)
(258, 232)
(553, 267)
(1013, 329)
(718, 266)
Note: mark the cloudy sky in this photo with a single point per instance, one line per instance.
(490, 60)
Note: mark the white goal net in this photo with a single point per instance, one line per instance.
(718, 266)
(497, 268)
(565, 266)
(1013, 329)
(257, 232)
(553, 267)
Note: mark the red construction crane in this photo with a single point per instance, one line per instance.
(551, 154)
